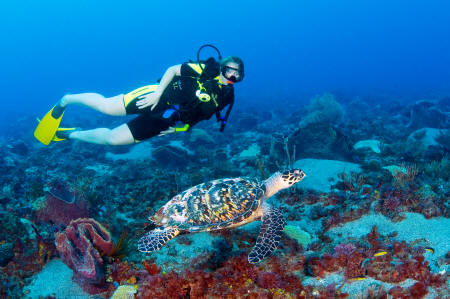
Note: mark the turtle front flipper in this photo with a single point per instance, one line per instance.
(269, 236)
(157, 238)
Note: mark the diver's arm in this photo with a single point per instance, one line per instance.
(167, 77)
(152, 99)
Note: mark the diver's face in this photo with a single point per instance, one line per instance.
(231, 71)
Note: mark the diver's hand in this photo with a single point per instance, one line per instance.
(146, 100)
(170, 130)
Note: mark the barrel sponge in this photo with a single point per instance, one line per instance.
(323, 109)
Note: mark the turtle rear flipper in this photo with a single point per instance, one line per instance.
(157, 238)
(269, 236)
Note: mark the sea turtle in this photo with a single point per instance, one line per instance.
(223, 203)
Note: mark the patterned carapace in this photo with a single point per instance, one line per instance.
(215, 204)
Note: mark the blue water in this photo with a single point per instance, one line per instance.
(292, 50)
(321, 76)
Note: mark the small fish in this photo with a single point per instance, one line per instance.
(429, 249)
(380, 253)
(358, 278)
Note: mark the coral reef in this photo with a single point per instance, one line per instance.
(234, 279)
(6, 254)
(321, 140)
(403, 180)
(172, 156)
(323, 109)
(426, 114)
(379, 258)
(62, 204)
(444, 140)
(439, 169)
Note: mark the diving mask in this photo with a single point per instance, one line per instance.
(232, 74)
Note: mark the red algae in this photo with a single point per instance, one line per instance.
(394, 201)
(269, 280)
(151, 268)
(417, 290)
(235, 278)
(372, 238)
(394, 262)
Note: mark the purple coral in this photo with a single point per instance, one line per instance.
(344, 249)
(62, 204)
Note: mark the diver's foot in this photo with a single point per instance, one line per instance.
(64, 133)
(58, 110)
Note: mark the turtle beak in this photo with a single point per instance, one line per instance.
(296, 176)
(300, 174)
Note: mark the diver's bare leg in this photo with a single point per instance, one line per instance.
(118, 136)
(110, 106)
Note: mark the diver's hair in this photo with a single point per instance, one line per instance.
(234, 59)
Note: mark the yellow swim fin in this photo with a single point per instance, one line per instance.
(48, 125)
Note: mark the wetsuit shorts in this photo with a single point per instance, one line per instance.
(149, 123)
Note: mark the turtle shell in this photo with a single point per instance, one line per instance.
(216, 204)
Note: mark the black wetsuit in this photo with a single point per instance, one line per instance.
(194, 96)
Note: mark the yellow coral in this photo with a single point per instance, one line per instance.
(248, 282)
(124, 292)
(280, 293)
(296, 233)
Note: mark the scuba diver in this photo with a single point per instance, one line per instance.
(186, 94)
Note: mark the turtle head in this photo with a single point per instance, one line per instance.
(282, 180)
